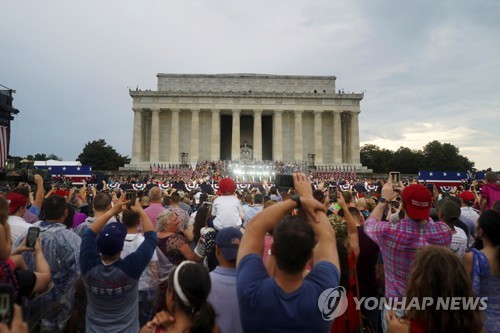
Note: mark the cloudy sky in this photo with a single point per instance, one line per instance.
(429, 69)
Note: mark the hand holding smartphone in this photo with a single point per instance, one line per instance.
(332, 193)
(284, 181)
(394, 177)
(130, 195)
(33, 233)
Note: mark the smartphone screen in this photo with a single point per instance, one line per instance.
(332, 193)
(394, 176)
(6, 304)
(284, 181)
(33, 233)
(131, 195)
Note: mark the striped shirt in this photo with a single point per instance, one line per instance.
(399, 243)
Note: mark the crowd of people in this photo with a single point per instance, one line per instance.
(262, 259)
(245, 171)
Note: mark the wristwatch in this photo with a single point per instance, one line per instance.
(383, 200)
(296, 198)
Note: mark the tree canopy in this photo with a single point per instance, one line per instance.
(43, 157)
(101, 156)
(433, 156)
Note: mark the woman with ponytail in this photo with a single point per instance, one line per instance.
(187, 308)
(484, 268)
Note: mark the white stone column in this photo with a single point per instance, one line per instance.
(355, 152)
(195, 135)
(337, 138)
(318, 136)
(137, 144)
(235, 141)
(278, 136)
(215, 152)
(257, 135)
(344, 138)
(299, 155)
(154, 155)
(174, 137)
(348, 135)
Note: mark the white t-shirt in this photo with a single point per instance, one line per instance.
(228, 212)
(131, 244)
(18, 227)
(459, 242)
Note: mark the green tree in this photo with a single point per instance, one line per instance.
(376, 158)
(445, 156)
(406, 160)
(101, 156)
(45, 157)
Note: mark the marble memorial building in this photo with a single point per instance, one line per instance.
(245, 116)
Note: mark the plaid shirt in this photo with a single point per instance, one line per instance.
(399, 243)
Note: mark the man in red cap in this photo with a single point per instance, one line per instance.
(399, 242)
(227, 208)
(17, 208)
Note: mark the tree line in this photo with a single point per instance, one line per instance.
(97, 154)
(433, 156)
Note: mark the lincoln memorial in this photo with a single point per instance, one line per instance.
(245, 117)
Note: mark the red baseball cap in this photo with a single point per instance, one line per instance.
(418, 201)
(227, 186)
(467, 196)
(15, 201)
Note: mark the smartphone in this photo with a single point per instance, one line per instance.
(33, 233)
(130, 195)
(284, 181)
(332, 193)
(6, 304)
(394, 177)
(430, 187)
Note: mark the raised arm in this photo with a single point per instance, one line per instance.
(326, 248)
(253, 238)
(388, 194)
(147, 225)
(101, 221)
(352, 228)
(39, 194)
(43, 276)
(265, 221)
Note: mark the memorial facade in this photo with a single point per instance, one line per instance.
(245, 117)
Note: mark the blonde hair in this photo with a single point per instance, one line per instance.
(163, 219)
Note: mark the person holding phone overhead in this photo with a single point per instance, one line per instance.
(51, 311)
(13, 270)
(287, 301)
(399, 242)
(112, 283)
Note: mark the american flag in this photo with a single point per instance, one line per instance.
(77, 173)
(4, 145)
(442, 178)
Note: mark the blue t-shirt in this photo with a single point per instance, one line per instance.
(264, 307)
(112, 290)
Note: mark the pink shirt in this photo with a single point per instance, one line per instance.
(153, 211)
